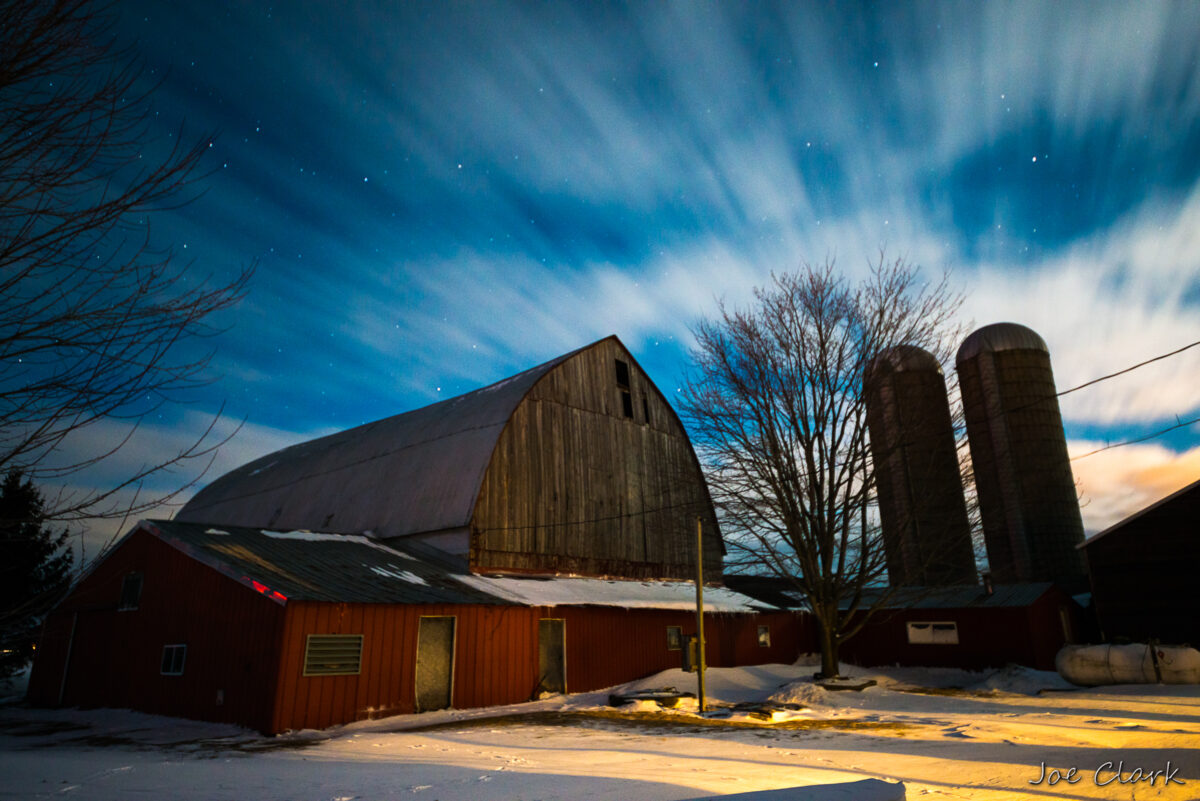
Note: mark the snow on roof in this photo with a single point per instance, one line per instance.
(352, 568)
(316, 536)
(574, 591)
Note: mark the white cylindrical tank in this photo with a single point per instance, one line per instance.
(1093, 665)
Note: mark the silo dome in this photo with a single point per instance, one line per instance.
(905, 358)
(1031, 519)
(927, 538)
(999, 337)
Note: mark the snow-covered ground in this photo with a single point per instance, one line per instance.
(942, 733)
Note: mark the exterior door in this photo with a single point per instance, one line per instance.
(435, 663)
(552, 656)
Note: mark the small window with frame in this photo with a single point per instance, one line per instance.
(173, 658)
(674, 638)
(932, 632)
(764, 636)
(131, 592)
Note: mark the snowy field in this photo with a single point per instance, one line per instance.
(943, 734)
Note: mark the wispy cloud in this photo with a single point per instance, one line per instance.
(444, 195)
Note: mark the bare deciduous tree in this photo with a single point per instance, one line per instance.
(96, 325)
(776, 408)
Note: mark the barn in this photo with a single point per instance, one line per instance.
(532, 536)
(1143, 572)
(578, 466)
(281, 630)
(969, 627)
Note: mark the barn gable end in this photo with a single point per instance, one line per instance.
(594, 475)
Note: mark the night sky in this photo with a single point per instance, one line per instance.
(440, 195)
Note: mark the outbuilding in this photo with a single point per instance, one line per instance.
(969, 627)
(1143, 572)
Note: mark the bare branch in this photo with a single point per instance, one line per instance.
(776, 406)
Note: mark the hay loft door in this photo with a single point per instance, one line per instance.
(435, 663)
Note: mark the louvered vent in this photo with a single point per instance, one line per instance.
(333, 655)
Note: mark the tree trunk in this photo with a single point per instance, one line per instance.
(829, 650)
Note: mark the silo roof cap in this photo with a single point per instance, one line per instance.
(905, 358)
(997, 337)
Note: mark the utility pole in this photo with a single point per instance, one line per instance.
(700, 613)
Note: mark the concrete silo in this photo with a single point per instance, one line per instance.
(1031, 520)
(921, 506)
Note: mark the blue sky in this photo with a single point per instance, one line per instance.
(440, 195)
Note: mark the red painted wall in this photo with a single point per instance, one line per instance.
(496, 653)
(987, 636)
(252, 649)
(231, 633)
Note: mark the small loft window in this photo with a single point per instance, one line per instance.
(933, 633)
(627, 403)
(173, 657)
(674, 638)
(764, 636)
(333, 655)
(622, 374)
(645, 411)
(131, 592)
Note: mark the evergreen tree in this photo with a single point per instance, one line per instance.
(35, 567)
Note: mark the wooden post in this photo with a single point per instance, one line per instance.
(700, 614)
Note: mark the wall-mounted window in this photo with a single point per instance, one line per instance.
(674, 638)
(173, 657)
(932, 633)
(645, 411)
(333, 655)
(764, 636)
(131, 592)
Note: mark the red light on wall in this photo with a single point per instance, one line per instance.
(279, 595)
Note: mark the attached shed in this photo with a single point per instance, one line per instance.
(969, 627)
(1143, 572)
(281, 630)
(576, 467)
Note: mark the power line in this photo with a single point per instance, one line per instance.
(1166, 430)
(1129, 369)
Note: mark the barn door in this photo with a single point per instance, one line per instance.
(435, 663)
(552, 656)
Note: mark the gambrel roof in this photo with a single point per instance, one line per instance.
(414, 472)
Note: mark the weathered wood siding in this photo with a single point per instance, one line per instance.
(576, 486)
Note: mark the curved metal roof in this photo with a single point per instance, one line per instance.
(999, 337)
(905, 358)
(414, 472)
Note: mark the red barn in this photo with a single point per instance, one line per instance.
(290, 630)
(530, 536)
(970, 627)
